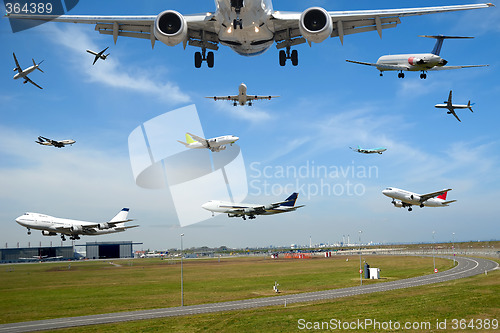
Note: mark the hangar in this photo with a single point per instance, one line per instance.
(105, 250)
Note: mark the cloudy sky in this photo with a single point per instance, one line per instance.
(298, 142)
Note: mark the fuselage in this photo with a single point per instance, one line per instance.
(242, 94)
(257, 32)
(25, 72)
(414, 62)
(411, 198)
(372, 151)
(215, 142)
(228, 207)
(51, 224)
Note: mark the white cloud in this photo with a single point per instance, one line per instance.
(112, 72)
(248, 113)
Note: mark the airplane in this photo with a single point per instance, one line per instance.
(242, 209)
(99, 55)
(23, 74)
(50, 225)
(248, 27)
(369, 151)
(402, 198)
(242, 98)
(59, 144)
(215, 144)
(420, 62)
(451, 107)
(42, 258)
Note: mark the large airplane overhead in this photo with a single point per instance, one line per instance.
(406, 199)
(248, 27)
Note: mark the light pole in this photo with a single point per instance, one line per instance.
(433, 250)
(453, 246)
(182, 281)
(360, 269)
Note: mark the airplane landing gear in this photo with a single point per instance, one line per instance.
(249, 103)
(199, 57)
(423, 76)
(410, 209)
(244, 218)
(29, 231)
(251, 217)
(63, 238)
(235, 103)
(421, 205)
(237, 5)
(381, 74)
(74, 237)
(401, 75)
(293, 56)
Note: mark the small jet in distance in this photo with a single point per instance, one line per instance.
(23, 74)
(402, 198)
(49, 142)
(369, 151)
(243, 210)
(242, 98)
(214, 144)
(451, 107)
(99, 55)
(420, 62)
(50, 225)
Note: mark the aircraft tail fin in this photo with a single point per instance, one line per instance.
(469, 105)
(290, 201)
(189, 139)
(442, 196)
(439, 42)
(37, 66)
(121, 216)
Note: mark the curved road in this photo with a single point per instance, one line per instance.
(466, 267)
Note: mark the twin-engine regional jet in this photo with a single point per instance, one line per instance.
(49, 142)
(402, 198)
(451, 107)
(50, 225)
(242, 98)
(23, 74)
(99, 55)
(249, 27)
(420, 62)
(243, 210)
(215, 144)
(369, 151)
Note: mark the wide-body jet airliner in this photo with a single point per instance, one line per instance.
(243, 210)
(249, 27)
(402, 198)
(51, 226)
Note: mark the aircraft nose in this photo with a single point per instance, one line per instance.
(205, 205)
(385, 192)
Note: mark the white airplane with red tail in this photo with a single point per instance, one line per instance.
(402, 198)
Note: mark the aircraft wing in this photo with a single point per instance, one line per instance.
(442, 68)
(257, 98)
(136, 26)
(224, 98)
(425, 197)
(357, 21)
(381, 66)
(17, 63)
(455, 114)
(33, 83)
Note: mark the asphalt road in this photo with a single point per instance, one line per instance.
(466, 267)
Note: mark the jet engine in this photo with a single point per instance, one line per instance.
(171, 28)
(315, 24)
(413, 197)
(415, 61)
(249, 210)
(397, 203)
(76, 228)
(102, 226)
(48, 233)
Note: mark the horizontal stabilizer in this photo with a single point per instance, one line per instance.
(448, 202)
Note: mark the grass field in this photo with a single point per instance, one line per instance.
(476, 298)
(52, 290)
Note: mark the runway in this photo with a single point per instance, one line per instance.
(466, 267)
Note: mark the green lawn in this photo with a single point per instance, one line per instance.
(52, 290)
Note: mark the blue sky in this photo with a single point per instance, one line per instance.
(326, 105)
